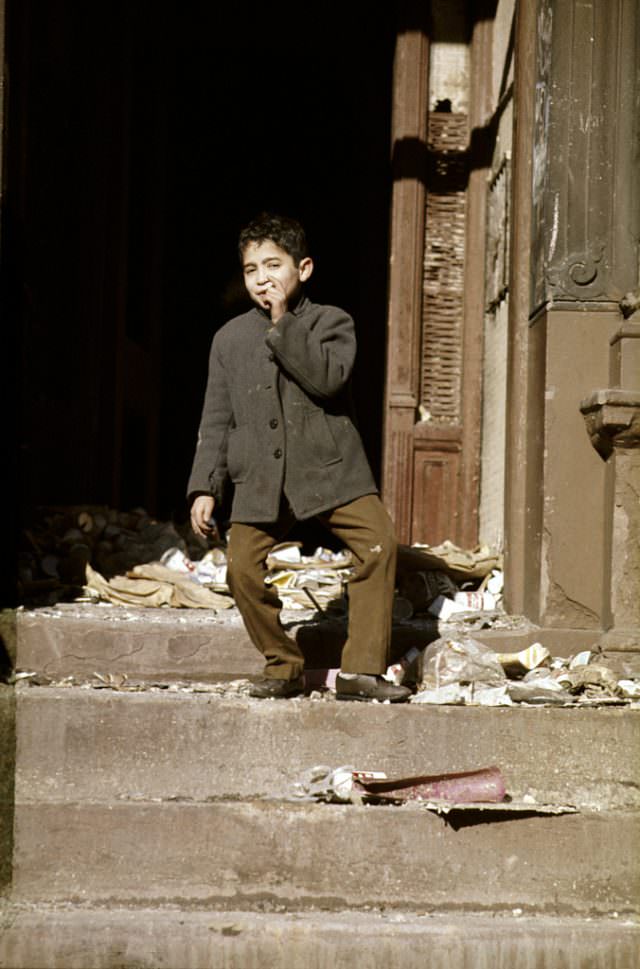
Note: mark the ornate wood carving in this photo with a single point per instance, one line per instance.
(586, 204)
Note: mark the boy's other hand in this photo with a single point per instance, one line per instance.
(276, 298)
(201, 512)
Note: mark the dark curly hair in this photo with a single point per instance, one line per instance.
(287, 233)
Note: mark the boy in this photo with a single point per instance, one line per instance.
(277, 420)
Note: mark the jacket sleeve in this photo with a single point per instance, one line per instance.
(320, 354)
(209, 471)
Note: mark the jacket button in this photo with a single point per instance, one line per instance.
(272, 356)
(273, 423)
(277, 453)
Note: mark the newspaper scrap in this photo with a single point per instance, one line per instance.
(308, 581)
(153, 585)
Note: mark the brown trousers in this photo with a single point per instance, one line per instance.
(365, 527)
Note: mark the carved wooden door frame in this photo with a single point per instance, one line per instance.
(431, 466)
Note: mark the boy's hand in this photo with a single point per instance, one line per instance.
(201, 512)
(276, 298)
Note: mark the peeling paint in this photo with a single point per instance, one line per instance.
(554, 230)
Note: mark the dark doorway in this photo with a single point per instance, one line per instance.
(288, 116)
(139, 139)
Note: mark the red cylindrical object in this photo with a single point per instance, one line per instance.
(484, 785)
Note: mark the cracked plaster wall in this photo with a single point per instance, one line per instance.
(625, 577)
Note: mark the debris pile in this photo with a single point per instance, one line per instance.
(464, 671)
(451, 583)
(59, 543)
(154, 585)
(96, 553)
(309, 581)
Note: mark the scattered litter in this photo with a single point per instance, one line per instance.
(544, 690)
(482, 790)
(121, 683)
(153, 585)
(475, 601)
(466, 672)
(494, 582)
(527, 659)
(289, 554)
(592, 679)
(210, 570)
(454, 694)
(397, 672)
(344, 784)
(113, 681)
(461, 564)
(482, 785)
(445, 608)
(629, 688)
(466, 694)
(303, 581)
(460, 661)
(512, 807)
(327, 784)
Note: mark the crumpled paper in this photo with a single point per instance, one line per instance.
(153, 585)
(467, 694)
(327, 784)
(458, 562)
(306, 581)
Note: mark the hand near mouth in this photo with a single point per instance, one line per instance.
(275, 297)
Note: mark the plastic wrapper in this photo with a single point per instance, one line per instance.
(465, 660)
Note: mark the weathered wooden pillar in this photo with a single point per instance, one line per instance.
(409, 132)
(519, 426)
(584, 259)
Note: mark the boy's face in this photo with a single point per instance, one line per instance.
(269, 270)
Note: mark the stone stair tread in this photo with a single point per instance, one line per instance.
(50, 937)
(76, 743)
(76, 639)
(241, 854)
(170, 802)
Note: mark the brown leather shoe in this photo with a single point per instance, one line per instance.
(269, 687)
(360, 686)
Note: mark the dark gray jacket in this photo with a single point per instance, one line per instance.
(277, 415)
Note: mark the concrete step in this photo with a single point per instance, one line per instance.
(56, 938)
(169, 644)
(166, 644)
(77, 744)
(251, 854)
